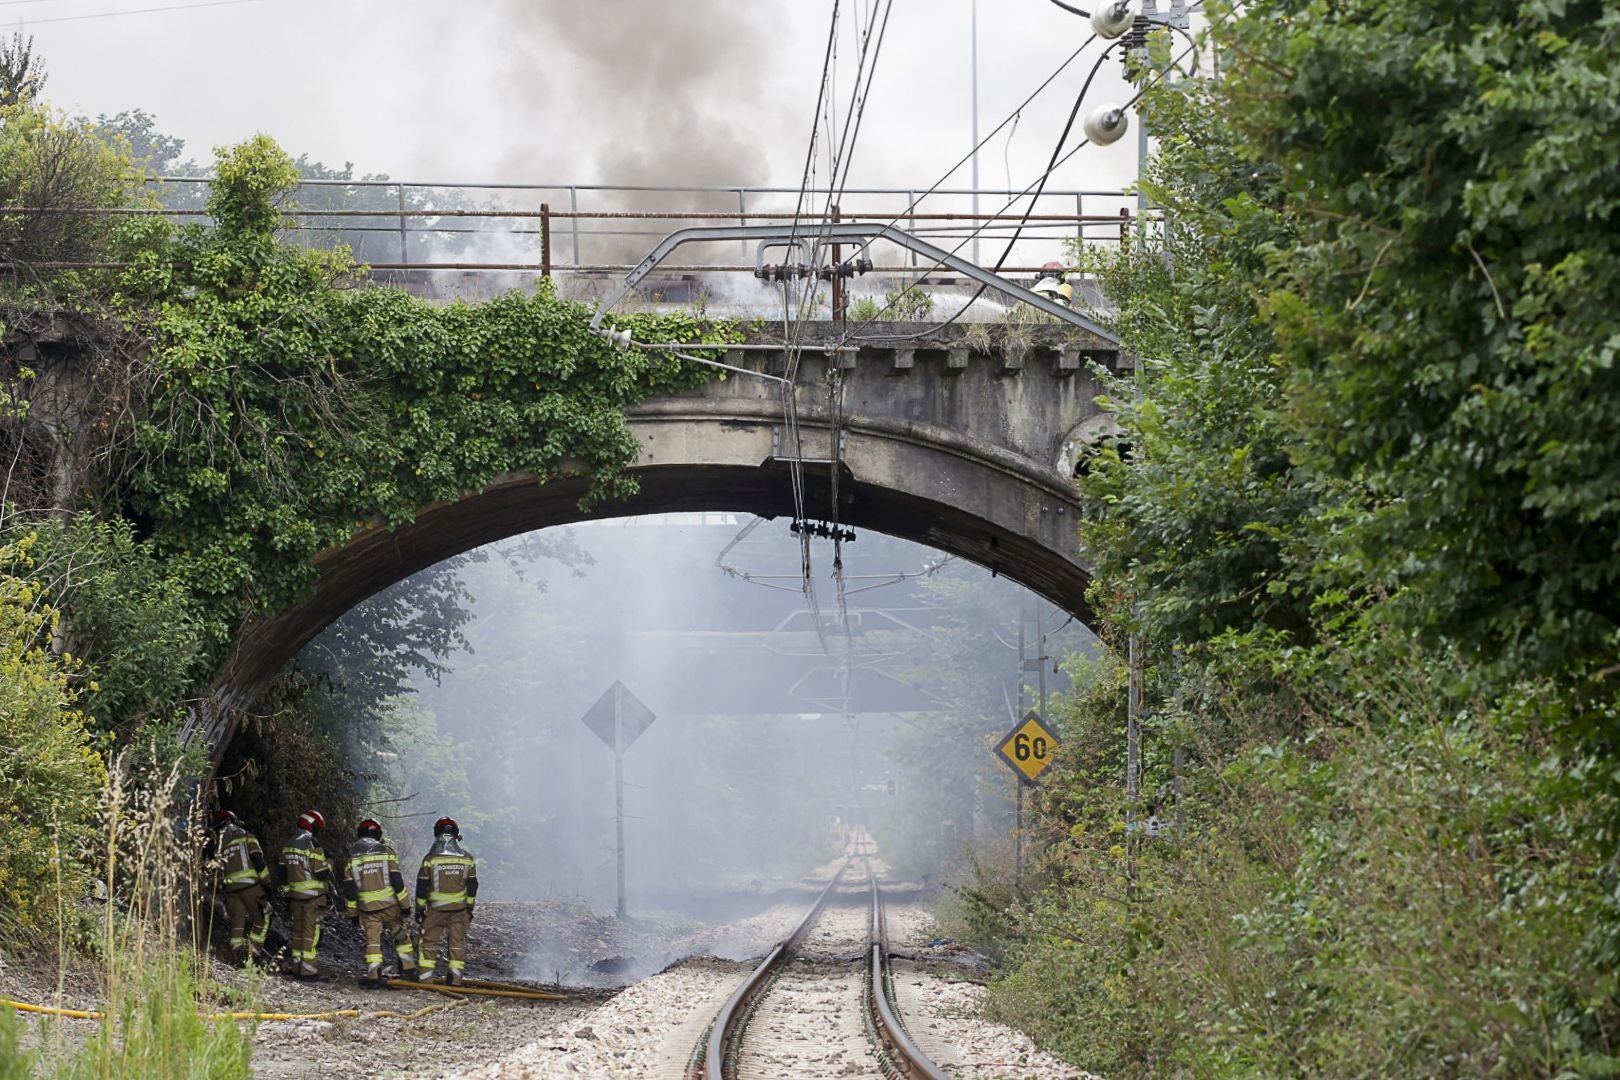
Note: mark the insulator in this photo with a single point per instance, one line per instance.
(1106, 124)
(1112, 20)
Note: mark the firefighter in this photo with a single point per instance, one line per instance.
(446, 892)
(374, 894)
(244, 878)
(305, 877)
(1054, 284)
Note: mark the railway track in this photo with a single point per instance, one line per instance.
(808, 1010)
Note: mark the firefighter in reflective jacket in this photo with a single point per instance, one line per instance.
(306, 881)
(374, 894)
(446, 891)
(244, 879)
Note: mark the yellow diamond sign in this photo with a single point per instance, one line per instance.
(1028, 747)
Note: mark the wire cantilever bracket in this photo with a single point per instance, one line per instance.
(849, 232)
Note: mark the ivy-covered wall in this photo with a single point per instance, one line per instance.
(285, 405)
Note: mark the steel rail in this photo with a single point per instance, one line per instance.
(721, 1032)
(912, 1062)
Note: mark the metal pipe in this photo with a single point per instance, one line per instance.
(852, 232)
(790, 192)
(545, 238)
(538, 268)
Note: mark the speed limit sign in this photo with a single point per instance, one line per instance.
(1028, 747)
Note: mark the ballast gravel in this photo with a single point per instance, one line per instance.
(648, 1031)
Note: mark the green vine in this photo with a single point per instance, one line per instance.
(286, 408)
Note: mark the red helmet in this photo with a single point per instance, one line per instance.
(370, 828)
(446, 825)
(223, 818)
(311, 821)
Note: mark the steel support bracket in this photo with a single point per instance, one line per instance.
(823, 236)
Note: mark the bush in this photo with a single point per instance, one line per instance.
(50, 774)
(1383, 892)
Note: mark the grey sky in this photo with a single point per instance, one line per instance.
(563, 91)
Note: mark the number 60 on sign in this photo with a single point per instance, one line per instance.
(1028, 748)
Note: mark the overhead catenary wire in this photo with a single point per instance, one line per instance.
(136, 11)
(1011, 118)
(841, 155)
(792, 334)
(1039, 186)
(1146, 85)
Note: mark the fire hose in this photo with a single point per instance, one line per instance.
(458, 994)
(334, 1014)
(482, 988)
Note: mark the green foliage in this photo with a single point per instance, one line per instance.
(1197, 517)
(249, 178)
(16, 1063)
(50, 776)
(157, 1029)
(1361, 510)
(136, 630)
(1387, 896)
(1445, 311)
(285, 412)
(910, 304)
(58, 166)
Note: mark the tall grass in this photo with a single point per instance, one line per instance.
(151, 948)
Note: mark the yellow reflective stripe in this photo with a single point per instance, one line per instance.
(376, 894)
(305, 886)
(446, 897)
(450, 860)
(241, 876)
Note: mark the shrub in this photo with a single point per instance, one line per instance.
(50, 774)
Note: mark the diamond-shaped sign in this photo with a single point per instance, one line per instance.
(1028, 747)
(618, 717)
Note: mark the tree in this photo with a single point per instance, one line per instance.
(22, 74)
(1446, 312)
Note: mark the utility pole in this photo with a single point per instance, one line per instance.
(974, 34)
(1030, 624)
(1018, 781)
(1133, 754)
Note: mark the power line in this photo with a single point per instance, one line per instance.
(1039, 189)
(133, 11)
(1011, 118)
(1147, 84)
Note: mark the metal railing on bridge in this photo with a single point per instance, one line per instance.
(442, 238)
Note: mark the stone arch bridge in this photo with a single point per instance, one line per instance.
(948, 440)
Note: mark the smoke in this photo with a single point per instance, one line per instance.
(683, 88)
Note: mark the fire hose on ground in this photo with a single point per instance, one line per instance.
(458, 994)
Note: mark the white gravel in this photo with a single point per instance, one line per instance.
(648, 1032)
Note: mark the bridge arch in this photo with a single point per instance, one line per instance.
(969, 458)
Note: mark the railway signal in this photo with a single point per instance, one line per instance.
(618, 718)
